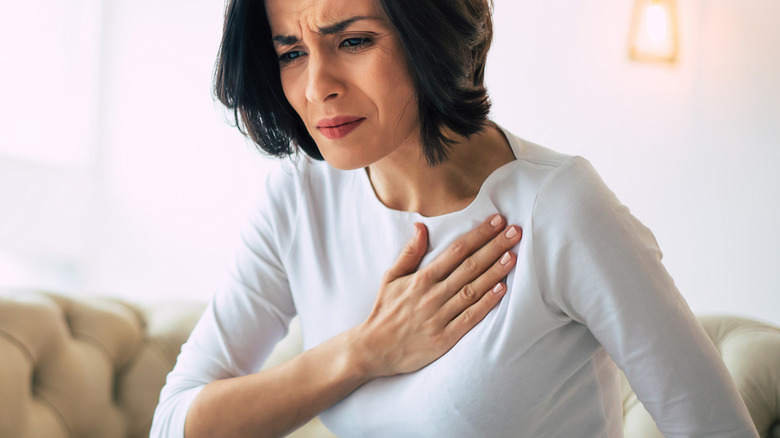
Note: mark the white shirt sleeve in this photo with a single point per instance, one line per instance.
(247, 316)
(601, 267)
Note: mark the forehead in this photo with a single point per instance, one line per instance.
(289, 16)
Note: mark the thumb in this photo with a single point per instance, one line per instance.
(410, 257)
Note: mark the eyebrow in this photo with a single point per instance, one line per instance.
(341, 26)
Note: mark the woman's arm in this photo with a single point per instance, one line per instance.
(601, 267)
(273, 402)
(418, 316)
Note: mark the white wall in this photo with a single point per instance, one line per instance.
(45, 216)
(47, 140)
(691, 148)
(176, 178)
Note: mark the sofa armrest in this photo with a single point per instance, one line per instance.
(85, 367)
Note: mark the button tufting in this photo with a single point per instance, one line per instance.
(76, 367)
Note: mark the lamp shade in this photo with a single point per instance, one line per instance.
(654, 33)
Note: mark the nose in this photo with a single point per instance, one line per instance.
(324, 82)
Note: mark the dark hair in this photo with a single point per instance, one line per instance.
(445, 43)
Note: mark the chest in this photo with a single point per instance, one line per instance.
(501, 373)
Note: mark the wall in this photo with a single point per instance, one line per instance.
(47, 140)
(691, 148)
(176, 178)
(45, 216)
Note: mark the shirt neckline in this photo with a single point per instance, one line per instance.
(475, 204)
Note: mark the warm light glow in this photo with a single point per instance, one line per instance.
(654, 31)
(656, 21)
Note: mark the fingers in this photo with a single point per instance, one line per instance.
(473, 293)
(420, 314)
(466, 297)
(472, 315)
(476, 264)
(464, 246)
(409, 259)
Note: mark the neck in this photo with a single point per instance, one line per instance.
(404, 181)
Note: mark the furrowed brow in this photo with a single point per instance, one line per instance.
(341, 26)
(285, 40)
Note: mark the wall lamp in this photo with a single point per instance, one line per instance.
(654, 35)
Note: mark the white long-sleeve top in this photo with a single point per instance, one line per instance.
(588, 292)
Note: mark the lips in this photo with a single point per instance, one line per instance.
(338, 127)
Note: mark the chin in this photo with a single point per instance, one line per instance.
(346, 157)
(345, 162)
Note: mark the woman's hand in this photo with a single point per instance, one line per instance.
(418, 316)
(421, 314)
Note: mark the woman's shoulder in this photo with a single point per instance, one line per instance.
(532, 154)
(542, 169)
(302, 181)
(567, 189)
(290, 187)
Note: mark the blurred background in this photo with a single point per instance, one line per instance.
(120, 175)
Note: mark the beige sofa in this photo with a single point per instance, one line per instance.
(93, 367)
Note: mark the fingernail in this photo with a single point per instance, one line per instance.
(499, 287)
(511, 232)
(496, 221)
(505, 258)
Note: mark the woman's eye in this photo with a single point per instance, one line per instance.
(291, 56)
(355, 43)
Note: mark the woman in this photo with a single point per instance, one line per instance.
(469, 332)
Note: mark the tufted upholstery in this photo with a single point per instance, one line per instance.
(84, 367)
(94, 367)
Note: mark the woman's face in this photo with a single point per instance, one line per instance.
(344, 72)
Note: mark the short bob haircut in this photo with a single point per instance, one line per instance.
(445, 43)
